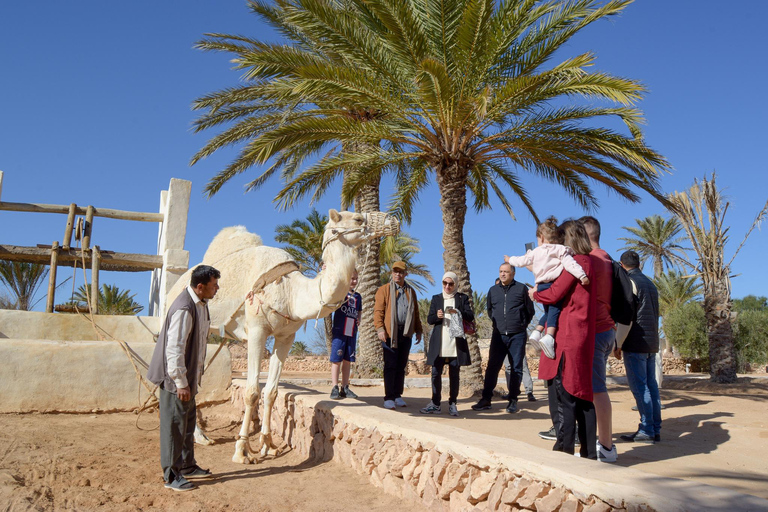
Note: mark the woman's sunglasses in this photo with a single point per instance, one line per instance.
(446, 283)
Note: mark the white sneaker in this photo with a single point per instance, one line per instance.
(534, 337)
(453, 410)
(547, 344)
(389, 404)
(400, 402)
(430, 409)
(604, 455)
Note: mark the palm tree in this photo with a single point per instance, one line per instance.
(676, 289)
(304, 239)
(462, 92)
(22, 280)
(112, 300)
(403, 247)
(656, 238)
(479, 304)
(701, 211)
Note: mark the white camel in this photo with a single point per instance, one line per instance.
(262, 294)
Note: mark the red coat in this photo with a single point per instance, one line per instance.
(575, 338)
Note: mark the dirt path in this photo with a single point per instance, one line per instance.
(85, 462)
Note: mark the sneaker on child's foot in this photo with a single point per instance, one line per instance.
(453, 410)
(547, 343)
(535, 336)
(335, 395)
(348, 393)
(606, 455)
(430, 409)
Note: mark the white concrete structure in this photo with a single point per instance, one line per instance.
(172, 232)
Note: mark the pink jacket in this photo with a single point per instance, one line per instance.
(547, 262)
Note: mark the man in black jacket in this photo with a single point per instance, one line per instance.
(639, 352)
(510, 310)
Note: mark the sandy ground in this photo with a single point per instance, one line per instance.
(712, 434)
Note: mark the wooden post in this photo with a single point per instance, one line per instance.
(52, 278)
(88, 224)
(70, 223)
(95, 262)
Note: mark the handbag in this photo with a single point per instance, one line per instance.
(470, 327)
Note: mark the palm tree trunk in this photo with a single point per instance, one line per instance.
(722, 351)
(452, 183)
(371, 360)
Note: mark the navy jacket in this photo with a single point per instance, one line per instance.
(509, 308)
(643, 336)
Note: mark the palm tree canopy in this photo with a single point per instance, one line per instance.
(676, 289)
(112, 300)
(403, 247)
(444, 85)
(656, 238)
(304, 239)
(22, 280)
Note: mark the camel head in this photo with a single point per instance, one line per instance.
(353, 228)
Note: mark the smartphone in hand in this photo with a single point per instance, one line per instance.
(529, 246)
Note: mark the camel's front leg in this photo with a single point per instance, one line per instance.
(256, 339)
(282, 347)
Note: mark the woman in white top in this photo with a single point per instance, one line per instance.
(445, 349)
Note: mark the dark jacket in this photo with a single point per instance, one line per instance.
(435, 339)
(157, 373)
(509, 308)
(643, 336)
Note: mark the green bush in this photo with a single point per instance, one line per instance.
(685, 327)
(751, 332)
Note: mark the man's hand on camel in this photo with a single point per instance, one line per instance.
(184, 394)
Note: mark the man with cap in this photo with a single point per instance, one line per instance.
(396, 319)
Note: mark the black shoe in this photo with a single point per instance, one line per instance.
(531, 398)
(504, 396)
(638, 437)
(342, 392)
(512, 407)
(657, 438)
(549, 435)
(335, 393)
(348, 393)
(196, 472)
(482, 405)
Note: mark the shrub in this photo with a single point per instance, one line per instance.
(751, 333)
(685, 327)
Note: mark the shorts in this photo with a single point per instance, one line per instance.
(343, 349)
(604, 345)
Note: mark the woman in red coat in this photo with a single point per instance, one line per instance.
(569, 375)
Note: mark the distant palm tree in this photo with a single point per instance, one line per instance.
(304, 242)
(676, 289)
(112, 300)
(701, 211)
(403, 247)
(424, 305)
(656, 238)
(22, 280)
(479, 304)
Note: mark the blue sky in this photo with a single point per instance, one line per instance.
(96, 110)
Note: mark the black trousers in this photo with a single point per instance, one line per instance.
(572, 416)
(501, 347)
(395, 363)
(177, 434)
(453, 379)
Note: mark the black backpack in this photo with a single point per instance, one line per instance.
(623, 300)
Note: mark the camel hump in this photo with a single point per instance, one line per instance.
(229, 241)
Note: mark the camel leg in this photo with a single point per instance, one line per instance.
(282, 347)
(256, 339)
(200, 437)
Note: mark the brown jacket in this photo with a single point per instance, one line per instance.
(384, 319)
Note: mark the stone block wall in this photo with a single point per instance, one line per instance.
(421, 472)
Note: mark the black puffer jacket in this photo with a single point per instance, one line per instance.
(643, 337)
(509, 308)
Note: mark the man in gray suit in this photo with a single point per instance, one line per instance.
(177, 367)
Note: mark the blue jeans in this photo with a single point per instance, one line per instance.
(641, 374)
(551, 315)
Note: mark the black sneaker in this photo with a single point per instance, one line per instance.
(531, 398)
(335, 394)
(482, 405)
(348, 393)
(512, 407)
(549, 435)
(342, 392)
(638, 437)
(657, 438)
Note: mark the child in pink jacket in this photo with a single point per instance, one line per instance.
(547, 262)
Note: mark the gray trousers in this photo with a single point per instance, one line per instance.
(177, 434)
(527, 380)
